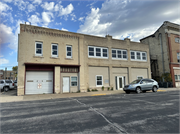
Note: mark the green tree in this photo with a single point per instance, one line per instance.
(15, 68)
(167, 77)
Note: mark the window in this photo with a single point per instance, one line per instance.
(99, 80)
(68, 51)
(54, 50)
(2, 81)
(178, 57)
(97, 52)
(177, 77)
(139, 77)
(177, 40)
(74, 81)
(138, 56)
(39, 47)
(119, 54)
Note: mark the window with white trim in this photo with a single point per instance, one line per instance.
(54, 50)
(74, 81)
(99, 80)
(119, 54)
(177, 40)
(177, 77)
(68, 51)
(39, 48)
(138, 56)
(97, 52)
(178, 57)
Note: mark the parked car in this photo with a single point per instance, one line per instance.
(15, 84)
(6, 85)
(141, 85)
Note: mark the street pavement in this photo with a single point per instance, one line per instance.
(117, 113)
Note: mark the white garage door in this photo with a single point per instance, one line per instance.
(39, 82)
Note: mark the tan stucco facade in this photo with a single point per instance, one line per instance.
(88, 67)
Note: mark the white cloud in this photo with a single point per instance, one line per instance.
(34, 19)
(65, 11)
(21, 4)
(81, 19)
(128, 18)
(37, 2)
(47, 17)
(1, 56)
(11, 53)
(9, 1)
(4, 7)
(73, 17)
(31, 8)
(48, 6)
(64, 29)
(58, 23)
(3, 61)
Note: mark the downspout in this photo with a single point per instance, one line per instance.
(160, 39)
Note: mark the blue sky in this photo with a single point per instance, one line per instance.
(134, 19)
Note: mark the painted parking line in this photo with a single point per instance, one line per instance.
(161, 90)
(97, 94)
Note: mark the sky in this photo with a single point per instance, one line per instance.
(134, 19)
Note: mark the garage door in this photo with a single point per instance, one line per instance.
(39, 82)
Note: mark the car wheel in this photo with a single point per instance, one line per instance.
(6, 89)
(154, 89)
(143, 91)
(127, 92)
(138, 90)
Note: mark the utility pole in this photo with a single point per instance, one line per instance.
(5, 72)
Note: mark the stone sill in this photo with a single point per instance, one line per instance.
(69, 59)
(54, 57)
(35, 56)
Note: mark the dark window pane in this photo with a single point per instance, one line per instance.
(54, 47)
(144, 58)
(38, 51)
(104, 55)
(99, 82)
(132, 57)
(124, 56)
(73, 83)
(2, 81)
(132, 53)
(54, 52)
(98, 54)
(91, 49)
(114, 55)
(99, 78)
(124, 52)
(119, 56)
(98, 50)
(68, 53)
(38, 45)
(114, 51)
(105, 50)
(143, 54)
(91, 53)
(68, 48)
(119, 52)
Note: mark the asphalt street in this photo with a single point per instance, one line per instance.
(123, 113)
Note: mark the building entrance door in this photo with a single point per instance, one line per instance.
(65, 84)
(120, 82)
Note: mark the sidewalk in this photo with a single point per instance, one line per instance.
(68, 95)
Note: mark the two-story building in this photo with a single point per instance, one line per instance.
(55, 61)
(164, 47)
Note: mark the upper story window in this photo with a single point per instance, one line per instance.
(68, 51)
(119, 54)
(177, 40)
(54, 50)
(97, 52)
(138, 56)
(178, 57)
(39, 48)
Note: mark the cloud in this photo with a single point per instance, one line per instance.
(65, 11)
(129, 18)
(9, 1)
(11, 53)
(37, 2)
(81, 19)
(21, 4)
(31, 8)
(1, 56)
(64, 29)
(58, 23)
(34, 19)
(4, 7)
(3, 61)
(48, 6)
(47, 17)
(73, 17)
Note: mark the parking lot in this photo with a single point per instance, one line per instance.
(133, 113)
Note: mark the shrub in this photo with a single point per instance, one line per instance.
(111, 88)
(78, 91)
(108, 88)
(102, 88)
(88, 90)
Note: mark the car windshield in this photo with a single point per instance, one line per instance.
(135, 82)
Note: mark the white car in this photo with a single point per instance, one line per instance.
(6, 85)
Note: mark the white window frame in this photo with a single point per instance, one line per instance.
(41, 48)
(178, 55)
(140, 76)
(74, 81)
(52, 50)
(177, 40)
(70, 57)
(135, 54)
(121, 54)
(96, 81)
(101, 52)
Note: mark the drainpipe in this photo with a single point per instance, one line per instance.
(160, 39)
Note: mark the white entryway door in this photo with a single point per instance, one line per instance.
(65, 84)
(39, 82)
(120, 82)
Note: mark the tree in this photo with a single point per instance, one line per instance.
(15, 68)
(167, 77)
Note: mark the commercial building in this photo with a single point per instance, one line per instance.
(164, 48)
(55, 61)
(8, 74)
